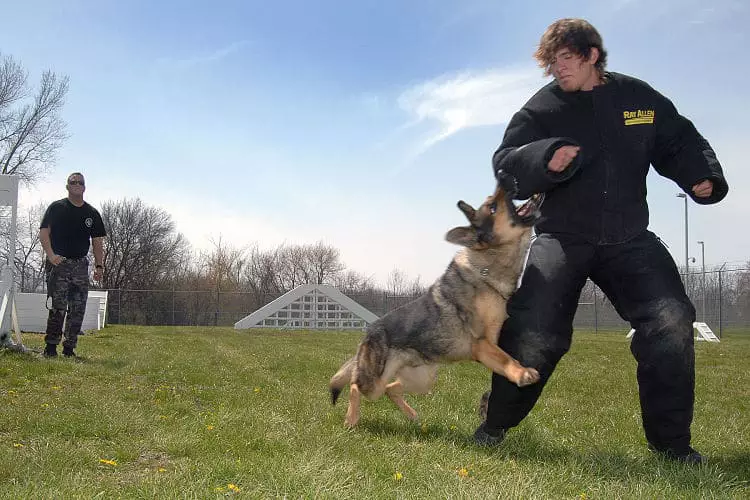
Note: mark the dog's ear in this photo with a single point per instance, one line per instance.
(465, 236)
(468, 210)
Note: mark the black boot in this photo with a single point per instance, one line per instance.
(484, 436)
(683, 455)
(68, 352)
(50, 351)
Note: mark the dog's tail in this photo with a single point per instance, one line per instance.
(371, 358)
(365, 368)
(342, 378)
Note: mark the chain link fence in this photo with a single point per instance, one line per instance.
(721, 299)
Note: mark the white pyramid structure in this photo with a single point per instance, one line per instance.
(310, 307)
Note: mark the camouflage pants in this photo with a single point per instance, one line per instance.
(68, 286)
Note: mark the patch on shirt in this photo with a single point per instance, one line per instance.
(639, 117)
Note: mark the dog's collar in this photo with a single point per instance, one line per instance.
(485, 271)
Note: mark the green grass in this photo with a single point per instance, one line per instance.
(185, 412)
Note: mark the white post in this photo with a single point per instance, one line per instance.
(8, 198)
(703, 278)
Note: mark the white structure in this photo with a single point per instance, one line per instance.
(8, 317)
(102, 314)
(310, 307)
(8, 203)
(32, 311)
(704, 332)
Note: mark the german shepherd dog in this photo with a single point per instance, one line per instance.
(460, 316)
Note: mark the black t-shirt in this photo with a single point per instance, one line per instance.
(72, 227)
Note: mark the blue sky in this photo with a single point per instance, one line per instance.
(357, 123)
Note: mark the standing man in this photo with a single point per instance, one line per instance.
(586, 140)
(66, 229)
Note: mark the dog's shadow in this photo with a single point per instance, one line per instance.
(408, 430)
(524, 445)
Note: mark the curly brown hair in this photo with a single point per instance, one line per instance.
(576, 35)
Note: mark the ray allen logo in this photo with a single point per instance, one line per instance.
(639, 117)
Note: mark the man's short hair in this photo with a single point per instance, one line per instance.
(576, 35)
(73, 174)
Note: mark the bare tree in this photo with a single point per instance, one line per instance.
(398, 284)
(30, 133)
(29, 256)
(142, 248)
(260, 272)
(220, 265)
(323, 262)
(306, 264)
(352, 282)
(742, 293)
(292, 266)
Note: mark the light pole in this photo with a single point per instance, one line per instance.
(703, 276)
(687, 263)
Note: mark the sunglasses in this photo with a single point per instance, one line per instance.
(73, 183)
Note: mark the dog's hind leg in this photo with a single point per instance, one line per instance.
(352, 413)
(395, 391)
(413, 379)
(503, 364)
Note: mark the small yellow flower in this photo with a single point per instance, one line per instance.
(463, 472)
(582, 496)
(219, 489)
(453, 427)
(163, 417)
(161, 469)
(257, 389)
(130, 387)
(44, 405)
(108, 462)
(56, 387)
(17, 445)
(233, 487)
(210, 427)
(12, 392)
(398, 476)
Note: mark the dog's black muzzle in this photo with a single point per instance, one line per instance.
(523, 212)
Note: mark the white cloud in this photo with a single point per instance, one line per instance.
(456, 102)
(201, 59)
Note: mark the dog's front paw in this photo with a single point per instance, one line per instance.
(528, 376)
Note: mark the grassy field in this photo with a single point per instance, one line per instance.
(162, 412)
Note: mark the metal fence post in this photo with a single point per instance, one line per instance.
(721, 295)
(596, 314)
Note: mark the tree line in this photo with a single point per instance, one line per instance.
(144, 250)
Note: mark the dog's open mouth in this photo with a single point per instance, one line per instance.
(525, 212)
